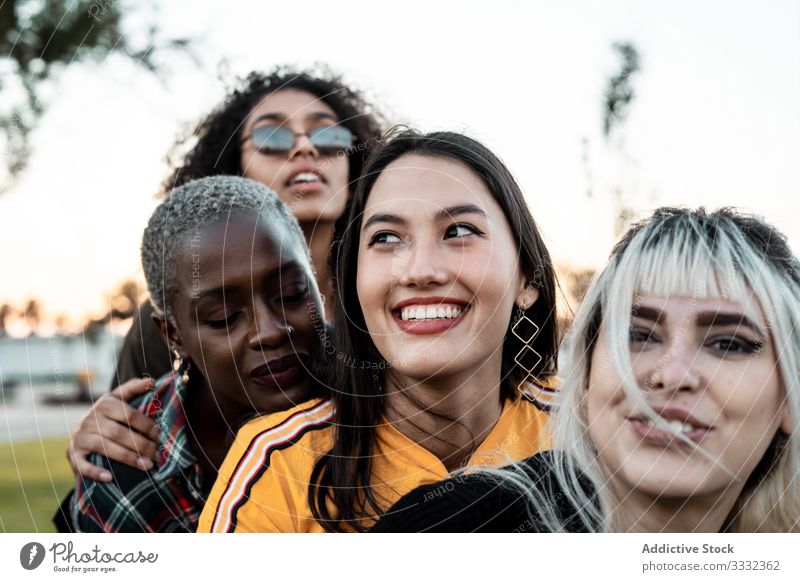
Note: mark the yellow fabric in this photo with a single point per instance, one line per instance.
(277, 497)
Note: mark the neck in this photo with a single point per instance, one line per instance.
(701, 514)
(209, 422)
(319, 236)
(449, 416)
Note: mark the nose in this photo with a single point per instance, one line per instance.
(269, 328)
(422, 265)
(676, 370)
(303, 146)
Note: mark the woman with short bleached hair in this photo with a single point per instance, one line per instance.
(235, 298)
(681, 398)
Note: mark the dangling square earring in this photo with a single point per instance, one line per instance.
(526, 331)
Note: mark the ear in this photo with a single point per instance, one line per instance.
(170, 334)
(526, 294)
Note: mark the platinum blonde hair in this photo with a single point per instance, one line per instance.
(723, 255)
(193, 206)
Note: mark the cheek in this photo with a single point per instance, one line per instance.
(308, 323)
(338, 175)
(261, 169)
(215, 358)
(755, 403)
(368, 288)
(603, 391)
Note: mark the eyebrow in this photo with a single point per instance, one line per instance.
(458, 210)
(712, 318)
(648, 313)
(443, 214)
(310, 117)
(704, 319)
(220, 292)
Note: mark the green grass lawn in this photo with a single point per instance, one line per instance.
(34, 477)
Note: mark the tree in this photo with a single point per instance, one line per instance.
(32, 314)
(617, 99)
(5, 313)
(124, 301)
(619, 91)
(40, 38)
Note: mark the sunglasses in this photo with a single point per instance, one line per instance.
(278, 139)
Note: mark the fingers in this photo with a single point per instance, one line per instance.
(115, 429)
(82, 467)
(135, 387)
(84, 444)
(110, 411)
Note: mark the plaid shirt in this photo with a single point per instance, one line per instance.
(168, 498)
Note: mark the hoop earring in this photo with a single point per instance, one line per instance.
(527, 340)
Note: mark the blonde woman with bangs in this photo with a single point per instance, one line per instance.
(681, 398)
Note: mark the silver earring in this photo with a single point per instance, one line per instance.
(526, 336)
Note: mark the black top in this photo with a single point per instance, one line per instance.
(474, 503)
(143, 352)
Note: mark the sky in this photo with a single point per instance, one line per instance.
(715, 121)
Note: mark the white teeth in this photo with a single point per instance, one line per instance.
(305, 177)
(428, 312)
(678, 426)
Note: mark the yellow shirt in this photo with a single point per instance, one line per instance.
(263, 483)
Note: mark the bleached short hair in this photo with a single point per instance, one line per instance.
(193, 206)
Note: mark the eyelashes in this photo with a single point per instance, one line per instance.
(382, 238)
(727, 344)
(458, 230)
(221, 323)
(291, 296)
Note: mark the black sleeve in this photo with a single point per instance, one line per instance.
(468, 503)
(61, 519)
(143, 351)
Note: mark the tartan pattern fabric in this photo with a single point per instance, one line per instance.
(169, 498)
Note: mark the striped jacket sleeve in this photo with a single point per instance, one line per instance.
(262, 484)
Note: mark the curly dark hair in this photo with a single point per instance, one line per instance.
(218, 147)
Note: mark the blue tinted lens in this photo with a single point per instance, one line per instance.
(272, 137)
(332, 136)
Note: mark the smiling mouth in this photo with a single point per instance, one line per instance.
(305, 179)
(432, 312)
(650, 433)
(427, 318)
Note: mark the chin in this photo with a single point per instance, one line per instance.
(668, 480)
(422, 371)
(280, 400)
(319, 210)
